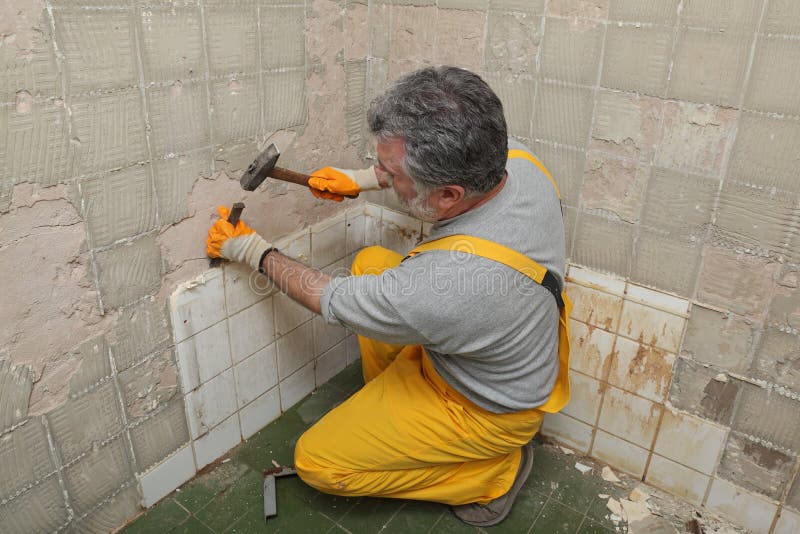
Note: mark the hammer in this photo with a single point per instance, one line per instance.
(233, 218)
(264, 165)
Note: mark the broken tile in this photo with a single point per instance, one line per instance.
(722, 340)
(695, 389)
(197, 304)
(168, 475)
(591, 350)
(640, 369)
(677, 479)
(689, 440)
(755, 467)
(629, 417)
(750, 511)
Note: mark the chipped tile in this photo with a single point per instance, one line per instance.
(197, 304)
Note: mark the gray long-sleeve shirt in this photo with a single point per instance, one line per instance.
(490, 331)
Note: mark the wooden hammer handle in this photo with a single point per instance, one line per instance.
(292, 177)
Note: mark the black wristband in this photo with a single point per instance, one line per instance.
(261, 261)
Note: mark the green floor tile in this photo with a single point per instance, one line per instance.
(415, 517)
(191, 526)
(163, 517)
(450, 524)
(235, 502)
(333, 506)
(599, 512)
(527, 507)
(323, 400)
(593, 527)
(370, 514)
(557, 519)
(296, 516)
(578, 491)
(350, 380)
(548, 469)
(199, 492)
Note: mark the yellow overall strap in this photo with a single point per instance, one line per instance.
(521, 154)
(528, 267)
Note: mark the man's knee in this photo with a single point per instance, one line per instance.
(375, 260)
(311, 468)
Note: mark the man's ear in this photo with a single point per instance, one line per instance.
(448, 196)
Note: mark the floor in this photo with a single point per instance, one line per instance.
(227, 497)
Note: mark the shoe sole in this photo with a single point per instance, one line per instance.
(524, 471)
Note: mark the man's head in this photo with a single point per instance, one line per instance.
(442, 136)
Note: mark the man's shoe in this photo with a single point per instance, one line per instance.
(493, 512)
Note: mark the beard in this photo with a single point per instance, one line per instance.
(419, 207)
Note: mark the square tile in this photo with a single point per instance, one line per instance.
(166, 476)
(203, 356)
(585, 396)
(209, 404)
(594, 307)
(591, 349)
(256, 374)
(678, 480)
(294, 388)
(657, 299)
(260, 412)
(197, 304)
(596, 280)
(788, 523)
(289, 314)
(568, 431)
(328, 241)
(331, 363)
(651, 326)
(251, 329)
(355, 231)
(372, 225)
(629, 417)
(326, 335)
(747, 509)
(244, 287)
(640, 369)
(295, 349)
(619, 453)
(217, 442)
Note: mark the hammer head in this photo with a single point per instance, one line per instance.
(260, 168)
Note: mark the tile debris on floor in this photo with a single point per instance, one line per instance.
(566, 493)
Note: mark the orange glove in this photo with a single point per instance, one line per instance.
(333, 184)
(236, 243)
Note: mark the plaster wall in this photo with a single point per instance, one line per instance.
(671, 129)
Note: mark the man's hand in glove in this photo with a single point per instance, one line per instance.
(235, 243)
(334, 184)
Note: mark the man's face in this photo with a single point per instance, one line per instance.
(390, 165)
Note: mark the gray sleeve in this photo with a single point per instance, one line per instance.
(368, 305)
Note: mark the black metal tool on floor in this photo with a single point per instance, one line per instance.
(270, 495)
(233, 218)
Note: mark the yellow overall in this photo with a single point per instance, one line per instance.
(408, 434)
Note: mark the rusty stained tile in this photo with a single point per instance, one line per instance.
(643, 370)
(695, 389)
(740, 283)
(650, 326)
(595, 307)
(591, 349)
(755, 467)
(719, 339)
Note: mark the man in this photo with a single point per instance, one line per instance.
(463, 343)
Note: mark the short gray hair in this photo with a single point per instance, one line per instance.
(452, 125)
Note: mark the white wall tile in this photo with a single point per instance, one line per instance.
(585, 395)
(251, 329)
(677, 479)
(296, 245)
(595, 307)
(297, 386)
(353, 350)
(326, 335)
(641, 369)
(747, 509)
(244, 287)
(295, 349)
(166, 476)
(256, 374)
(629, 417)
(372, 225)
(261, 412)
(399, 232)
(619, 453)
(203, 356)
(568, 431)
(209, 404)
(328, 241)
(590, 349)
(595, 280)
(691, 441)
(355, 232)
(653, 327)
(788, 523)
(220, 440)
(289, 314)
(331, 363)
(657, 299)
(197, 304)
